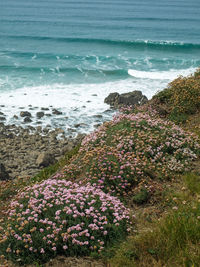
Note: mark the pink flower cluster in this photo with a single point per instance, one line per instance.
(58, 215)
(121, 152)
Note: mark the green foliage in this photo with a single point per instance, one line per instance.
(173, 242)
(182, 97)
(141, 197)
(178, 117)
(193, 182)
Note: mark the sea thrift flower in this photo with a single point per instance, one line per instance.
(97, 214)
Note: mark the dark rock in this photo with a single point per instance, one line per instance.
(40, 114)
(98, 116)
(112, 99)
(80, 125)
(2, 118)
(56, 112)
(45, 109)
(45, 159)
(132, 98)
(97, 125)
(25, 114)
(127, 99)
(3, 173)
(1, 113)
(27, 120)
(15, 117)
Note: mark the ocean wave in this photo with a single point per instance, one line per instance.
(160, 75)
(78, 69)
(136, 43)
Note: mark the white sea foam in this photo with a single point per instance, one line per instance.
(79, 102)
(160, 75)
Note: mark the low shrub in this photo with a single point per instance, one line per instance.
(61, 217)
(182, 97)
(122, 152)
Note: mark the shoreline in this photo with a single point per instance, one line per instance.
(24, 152)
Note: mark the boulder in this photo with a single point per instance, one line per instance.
(27, 120)
(40, 114)
(112, 99)
(127, 99)
(25, 114)
(3, 173)
(45, 159)
(56, 112)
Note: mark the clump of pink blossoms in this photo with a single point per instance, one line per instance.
(61, 217)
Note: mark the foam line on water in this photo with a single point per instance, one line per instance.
(78, 102)
(160, 75)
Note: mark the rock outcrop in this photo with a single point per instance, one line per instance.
(24, 152)
(127, 99)
(3, 173)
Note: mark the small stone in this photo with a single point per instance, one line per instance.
(80, 125)
(45, 159)
(27, 120)
(98, 116)
(56, 112)
(25, 114)
(40, 114)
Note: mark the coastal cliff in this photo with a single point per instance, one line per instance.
(128, 196)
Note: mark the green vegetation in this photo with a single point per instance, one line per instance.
(152, 165)
(182, 97)
(171, 241)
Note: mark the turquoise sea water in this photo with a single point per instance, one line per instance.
(63, 53)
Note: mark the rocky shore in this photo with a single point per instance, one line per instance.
(24, 152)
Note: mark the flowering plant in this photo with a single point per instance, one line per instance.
(61, 217)
(131, 148)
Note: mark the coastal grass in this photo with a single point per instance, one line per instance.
(173, 240)
(181, 98)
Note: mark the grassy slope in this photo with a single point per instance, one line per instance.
(167, 226)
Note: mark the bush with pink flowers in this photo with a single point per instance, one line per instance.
(60, 217)
(130, 148)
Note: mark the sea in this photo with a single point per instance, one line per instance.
(70, 54)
